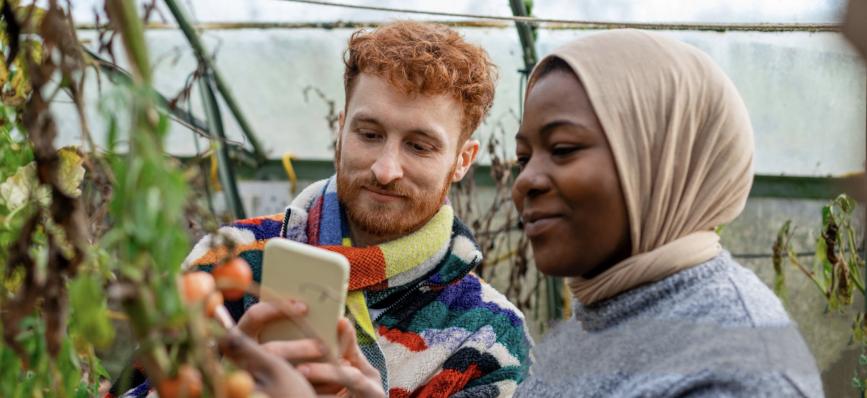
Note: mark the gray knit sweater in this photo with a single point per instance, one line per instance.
(714, 330)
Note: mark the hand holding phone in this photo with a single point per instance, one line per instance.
(317, 277)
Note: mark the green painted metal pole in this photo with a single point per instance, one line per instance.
(225, 169)
(204, 58)
(525, 34)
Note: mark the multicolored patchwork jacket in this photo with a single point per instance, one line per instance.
(438, 329)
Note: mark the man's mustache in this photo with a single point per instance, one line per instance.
(394, 187)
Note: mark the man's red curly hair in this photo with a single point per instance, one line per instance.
(426, 58)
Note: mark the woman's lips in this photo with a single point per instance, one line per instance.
(539, 225)
(381, 196)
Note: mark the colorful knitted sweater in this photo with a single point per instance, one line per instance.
(439, 331)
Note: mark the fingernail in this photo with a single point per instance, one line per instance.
(299, 306)
(303, 369)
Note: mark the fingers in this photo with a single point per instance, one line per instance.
(297, 350)
(273, 376)
(328, 389)
(258, 315)
(350, 349)
(249, 355)
(346, 337)
(350, 377)
(326, 373)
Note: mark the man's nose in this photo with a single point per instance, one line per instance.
(387, 167)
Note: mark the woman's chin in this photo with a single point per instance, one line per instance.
(557, 266)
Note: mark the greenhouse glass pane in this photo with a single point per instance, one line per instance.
(805, 91)
(780, 11)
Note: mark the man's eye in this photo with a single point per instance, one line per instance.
(418, 147)
(368, 135)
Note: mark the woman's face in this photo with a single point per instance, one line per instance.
(568, 191)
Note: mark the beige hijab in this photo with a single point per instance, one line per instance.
(683, 146)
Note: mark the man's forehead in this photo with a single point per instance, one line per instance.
(369, 87)
(376, 100)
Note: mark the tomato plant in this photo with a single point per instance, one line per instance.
(82, 226)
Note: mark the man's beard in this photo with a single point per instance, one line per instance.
(388, 220)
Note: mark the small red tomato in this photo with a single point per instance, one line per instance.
(188, 383)
(198, 285)
(233, 278)
(239, 384)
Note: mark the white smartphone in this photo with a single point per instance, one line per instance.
(320, 278)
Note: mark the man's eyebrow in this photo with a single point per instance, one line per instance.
(366, 118)
(430, 135)
(363, 117)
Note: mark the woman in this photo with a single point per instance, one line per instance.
(634, 147)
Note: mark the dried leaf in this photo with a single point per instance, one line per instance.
(70, 174)
(22, 188)
(4, 73)
(35, 14)
(19, 87)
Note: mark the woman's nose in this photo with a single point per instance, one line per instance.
(532, 180)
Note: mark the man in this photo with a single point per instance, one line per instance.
(415, 93)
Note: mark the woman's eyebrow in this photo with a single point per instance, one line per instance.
(549, 127)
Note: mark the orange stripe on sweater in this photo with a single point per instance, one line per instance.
(212, 256)
(410, 340)
(258, 220)
(445, 384)
(367, 265)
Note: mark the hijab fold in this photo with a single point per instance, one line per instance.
(683, 145)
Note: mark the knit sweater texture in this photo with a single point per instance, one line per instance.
(714, 330)
(441, 331)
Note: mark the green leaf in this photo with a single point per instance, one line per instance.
(112, 133)
(833, 303)
(69, 366)
(822, 256)
(847, 203)
(88, 303)
(826, 215)
(781, 290)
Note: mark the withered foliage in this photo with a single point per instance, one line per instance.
(64, 221)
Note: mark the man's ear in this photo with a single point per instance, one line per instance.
(341, 119)
(465, 159)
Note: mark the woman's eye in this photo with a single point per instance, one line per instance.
(563, 150)
(522, 161)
